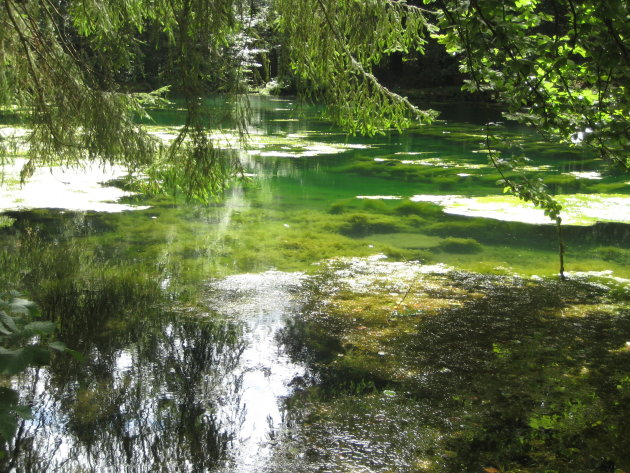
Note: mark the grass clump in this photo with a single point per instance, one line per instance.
(362, 224)
(460, 245)
(426, 209)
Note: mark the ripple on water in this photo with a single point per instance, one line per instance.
(261, 302)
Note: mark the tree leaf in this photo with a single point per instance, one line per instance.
(57, 345)
(39, 328)
(8, 425)
(8, 321)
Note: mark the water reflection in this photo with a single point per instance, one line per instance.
(167, 384)
(263, 302)
(184, 370)
(156, 405)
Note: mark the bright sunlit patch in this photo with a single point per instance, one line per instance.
(413, 153)
(380, 197)
(439, 162)
(294, 146)
(64, 188)
(607, 274)
(13, 132)
(585, 175)
(361, 274)
(261, 302)
(542, 167)
(577, 209)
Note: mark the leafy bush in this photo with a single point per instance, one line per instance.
(22, 344)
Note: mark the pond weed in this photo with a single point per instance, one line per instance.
(497, 370)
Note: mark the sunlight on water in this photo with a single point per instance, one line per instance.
(577, 209)
(256, 334)
(65, 188)
(262, 302)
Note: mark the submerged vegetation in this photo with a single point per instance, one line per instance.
(466, 371)
(409, 338)
(407, 366)
(331, 302)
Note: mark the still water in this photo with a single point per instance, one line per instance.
(354, 305)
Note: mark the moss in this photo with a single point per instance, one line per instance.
(564, 183)
(496, 392)
(426, 209)
(460, 245)
(342, 206)
(416, 241)
(609, 187)
(446, 182)
(613, 253)
(400, 254)
(361, 224)
(374, 205)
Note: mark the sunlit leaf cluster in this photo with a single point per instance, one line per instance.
(559, 65)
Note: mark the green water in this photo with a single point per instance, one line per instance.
(239, 336)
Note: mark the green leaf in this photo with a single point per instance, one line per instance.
(12, 361)
(8, 425)
(8, 397)
(24, 412)
(59, 346)
(39, 328)
(23, 306)
(8, 321)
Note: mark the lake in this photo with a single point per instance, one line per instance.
(352, 304)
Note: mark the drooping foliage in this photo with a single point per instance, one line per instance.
(68, 67)
(335, 43)
(560, 65)
(63, 69)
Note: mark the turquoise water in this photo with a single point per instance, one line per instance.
(242, 336)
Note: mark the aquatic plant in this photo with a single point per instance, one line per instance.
(500, 373)
(460, 245)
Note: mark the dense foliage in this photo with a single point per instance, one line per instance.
(560, 65)
(69, 70)
(65, 70)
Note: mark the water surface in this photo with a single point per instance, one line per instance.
(356, 304)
